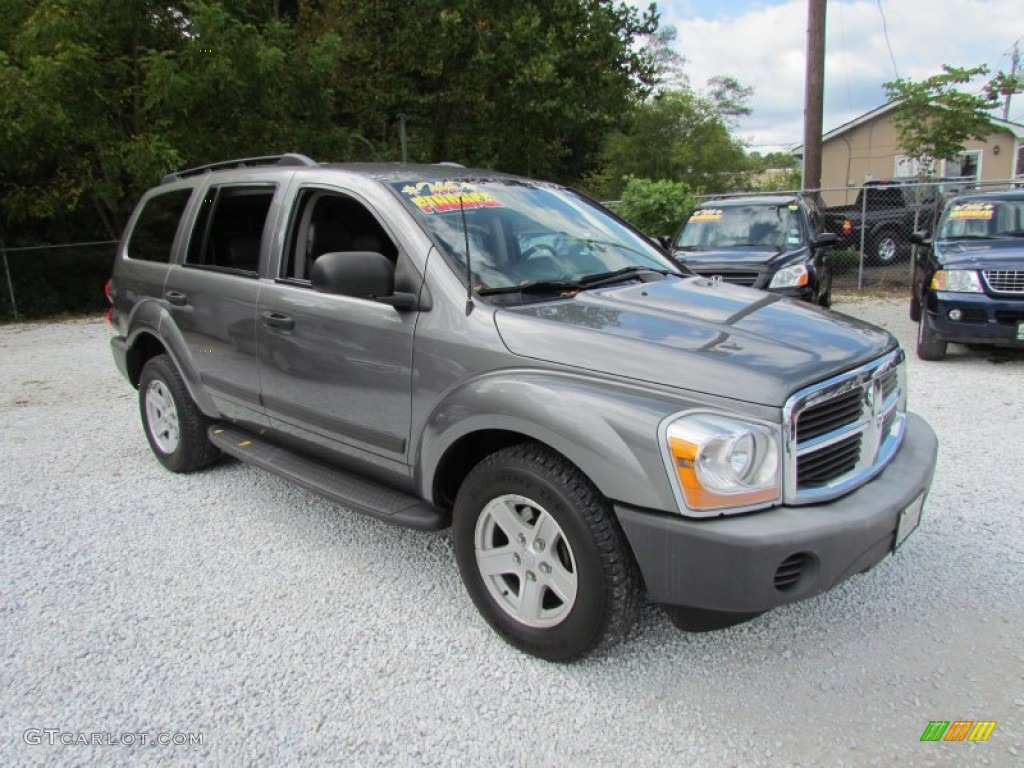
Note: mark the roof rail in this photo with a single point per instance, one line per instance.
(291, 158)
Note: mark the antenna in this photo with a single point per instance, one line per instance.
(469, 267)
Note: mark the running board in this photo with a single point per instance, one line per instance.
(345, 488)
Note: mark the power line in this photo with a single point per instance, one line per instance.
(885, 29)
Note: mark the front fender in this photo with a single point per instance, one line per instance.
(607, 429)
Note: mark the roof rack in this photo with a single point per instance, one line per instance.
(291, 158)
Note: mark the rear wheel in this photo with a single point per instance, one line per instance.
(542, 555)
(174, 425)
(929, 346)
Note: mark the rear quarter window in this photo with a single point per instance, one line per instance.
(152, 237)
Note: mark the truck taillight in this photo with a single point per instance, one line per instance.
(847, 227)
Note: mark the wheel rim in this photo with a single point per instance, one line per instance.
(886, 250)
(525, 561)
(161, 417)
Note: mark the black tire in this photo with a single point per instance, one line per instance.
(590, 547)
(915, 306)
(190, 449)
(929, 347)
(886, 247)
(825, 299)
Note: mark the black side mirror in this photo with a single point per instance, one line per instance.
(361, 274)
(920, 238)
(826, 239)
(665, 242)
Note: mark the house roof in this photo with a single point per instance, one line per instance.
(1014, 129)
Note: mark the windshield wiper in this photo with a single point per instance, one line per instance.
(533, 286)
(626, 273)
(971, 237)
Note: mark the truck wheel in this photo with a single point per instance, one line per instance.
(175, 427)
(542, 555)
(886, 247)
(929, 347)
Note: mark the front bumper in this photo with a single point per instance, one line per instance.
(986, 320)
(730, 564)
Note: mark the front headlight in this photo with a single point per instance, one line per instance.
(790, 277)
(956, 280)
(720, 463)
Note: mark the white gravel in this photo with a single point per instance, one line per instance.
(288, 631)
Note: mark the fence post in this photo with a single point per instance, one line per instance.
(863, 235)
(10, 285)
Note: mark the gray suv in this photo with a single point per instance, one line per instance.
(436, 346)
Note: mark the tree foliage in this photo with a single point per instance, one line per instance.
(98, 100)
(935, 117)
(655, 207)
(679, 136)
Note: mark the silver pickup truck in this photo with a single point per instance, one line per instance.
(436, 346)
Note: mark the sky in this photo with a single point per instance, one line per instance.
(763, 43)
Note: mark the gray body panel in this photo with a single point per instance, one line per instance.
(387, 394)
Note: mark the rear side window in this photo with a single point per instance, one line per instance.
(152, 238)
(229, 230)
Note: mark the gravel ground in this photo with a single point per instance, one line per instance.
(287, 631)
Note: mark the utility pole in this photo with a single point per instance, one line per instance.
(814, 92)
(1013, 74)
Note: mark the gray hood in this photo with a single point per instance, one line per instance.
(691, 333)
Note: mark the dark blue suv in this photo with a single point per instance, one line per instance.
(968, 282)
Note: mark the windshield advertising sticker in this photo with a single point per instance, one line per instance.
(447, 196)
(707, 214)
(972, 211)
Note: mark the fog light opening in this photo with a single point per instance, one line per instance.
(955, 314)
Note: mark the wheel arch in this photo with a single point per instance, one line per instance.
(593, 428)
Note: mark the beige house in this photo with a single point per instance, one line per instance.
(867, 148)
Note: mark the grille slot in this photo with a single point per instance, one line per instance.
(1004, 280)
(816, 469)
(789, 573)
(1009, 316)
(829, 416)
(736, 278)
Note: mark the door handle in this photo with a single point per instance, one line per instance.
(176, 298)
(278, 320)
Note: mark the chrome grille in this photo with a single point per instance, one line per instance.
(1004, 280)
(736, 278)
(842, 432)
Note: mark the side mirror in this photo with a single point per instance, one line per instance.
(920, 238)
(665, 242)
(826, 239)
(360, 274)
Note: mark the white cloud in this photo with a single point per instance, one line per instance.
(764, 46)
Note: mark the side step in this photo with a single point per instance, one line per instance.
(344, 488)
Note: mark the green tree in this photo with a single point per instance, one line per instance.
(676, 135)
(655, 207)
(935, 118)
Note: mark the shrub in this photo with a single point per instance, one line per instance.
(655, 207)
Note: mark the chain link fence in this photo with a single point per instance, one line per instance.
(46, 280)
(874, 223)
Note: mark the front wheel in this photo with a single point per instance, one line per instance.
(929, 346)
(542, 555)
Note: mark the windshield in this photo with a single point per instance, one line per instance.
(984, 220)
(765, 226)
(524, 234)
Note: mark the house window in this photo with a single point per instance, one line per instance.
(965, 166)
(906, 167)
(1018, 169)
